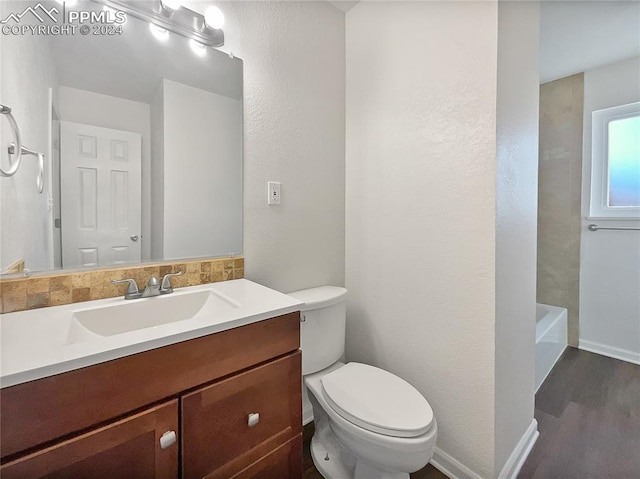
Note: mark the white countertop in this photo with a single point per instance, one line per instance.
(35, 343)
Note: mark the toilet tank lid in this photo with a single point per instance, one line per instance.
(321, 297)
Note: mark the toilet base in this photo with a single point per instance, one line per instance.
(334, 462)
(326, 455)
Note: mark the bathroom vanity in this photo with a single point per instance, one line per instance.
(222, 400)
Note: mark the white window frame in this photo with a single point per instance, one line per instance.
(599, 207)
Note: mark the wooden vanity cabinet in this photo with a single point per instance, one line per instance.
(106, 420)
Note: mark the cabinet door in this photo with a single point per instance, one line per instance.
(237, 421)
(129, 448)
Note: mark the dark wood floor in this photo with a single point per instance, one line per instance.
(310, 472)
(588, 413)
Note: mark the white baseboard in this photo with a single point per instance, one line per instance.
(454, 469)
(612, 352)
(451, 467)
(520, 452)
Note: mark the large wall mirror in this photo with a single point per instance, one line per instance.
(142, 137)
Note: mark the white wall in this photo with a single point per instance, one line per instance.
(24, 217)
(202, 171)
(157, 173)
(420, 210)
(610, 260)
(294, 108)
(95, 109)
(516, 225)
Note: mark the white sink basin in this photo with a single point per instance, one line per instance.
(136, 314)
(39, 343)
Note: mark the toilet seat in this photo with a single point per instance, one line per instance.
(377, 400)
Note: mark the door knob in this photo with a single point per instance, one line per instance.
(134, 237)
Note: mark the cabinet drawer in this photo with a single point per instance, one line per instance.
(285, 462)
(215, 428)
(127, 448)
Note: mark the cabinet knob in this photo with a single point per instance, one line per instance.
(254, 418)
(167, 439)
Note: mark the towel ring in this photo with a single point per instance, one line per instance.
(40, 157)
(13, 162)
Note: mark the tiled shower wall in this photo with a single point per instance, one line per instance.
(559, 191)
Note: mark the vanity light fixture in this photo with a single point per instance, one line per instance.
(198, 48)
(171, 5)
(159, 33)
(171, 16)
(214, 18)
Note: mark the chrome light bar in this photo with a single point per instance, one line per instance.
(182, 21)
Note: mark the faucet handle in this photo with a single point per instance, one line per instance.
(132, 289)
(166, 287)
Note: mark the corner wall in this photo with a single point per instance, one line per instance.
(420, 236)
(516, 221)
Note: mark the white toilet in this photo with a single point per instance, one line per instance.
(369, 423)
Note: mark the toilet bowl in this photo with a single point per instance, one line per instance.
(369, 423)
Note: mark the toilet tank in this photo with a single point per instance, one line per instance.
(322, 326)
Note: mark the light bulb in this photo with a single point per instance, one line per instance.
(214, 18)
(198, 48)
(171, 5)
(159, 33)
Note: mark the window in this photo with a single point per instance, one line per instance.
(615, 167)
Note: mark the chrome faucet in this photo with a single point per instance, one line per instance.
(165, 287)
(154, 287)
(132, 290)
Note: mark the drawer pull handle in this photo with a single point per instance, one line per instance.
(254, 418)
(167, 439)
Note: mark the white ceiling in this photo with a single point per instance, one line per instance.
(576, 36)
(343, 5)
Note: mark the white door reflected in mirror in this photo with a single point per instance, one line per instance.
(100, 178)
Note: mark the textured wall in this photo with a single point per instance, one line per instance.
(559, 190)
(421, 148)
(294, 131)
(24, 218)
(516, 188)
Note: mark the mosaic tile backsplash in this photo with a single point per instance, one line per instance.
(59, 287)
